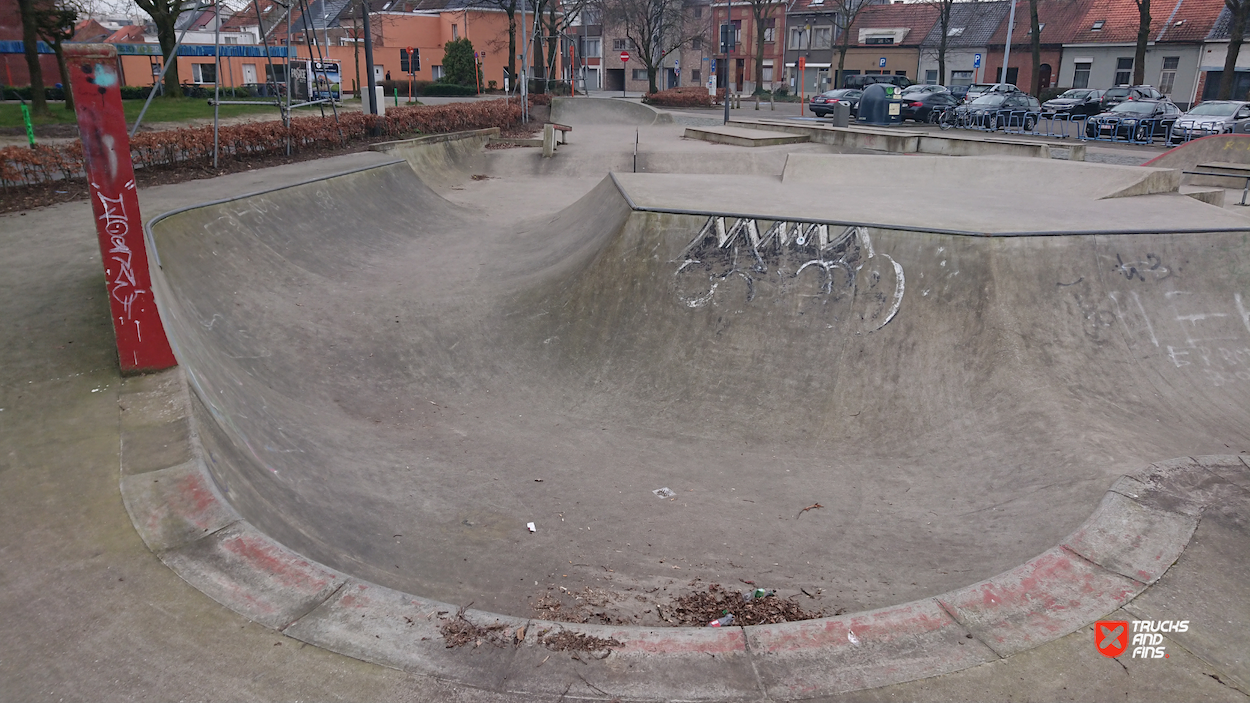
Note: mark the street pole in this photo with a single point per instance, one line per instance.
(1011, 27)
(364, 16)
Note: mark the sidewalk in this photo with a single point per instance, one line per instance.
(91, 614)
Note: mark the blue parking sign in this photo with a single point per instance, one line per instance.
(976, 61)
(881, 63)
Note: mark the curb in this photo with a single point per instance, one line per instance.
(1139, 530)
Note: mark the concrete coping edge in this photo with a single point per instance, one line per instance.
(1139, 530)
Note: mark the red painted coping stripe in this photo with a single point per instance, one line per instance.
(1138, 531)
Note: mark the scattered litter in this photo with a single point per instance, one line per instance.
(95, 390)
(531, 527)
(460, 631)
(758, 593)
(664, 493)
(568, 641)
(851, 637)
(813, 506)
(725, 621)
(538, 480)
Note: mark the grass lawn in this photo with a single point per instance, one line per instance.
(162, 110)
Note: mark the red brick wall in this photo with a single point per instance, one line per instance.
(13, 66)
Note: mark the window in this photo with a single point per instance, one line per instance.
(822, 37)
(961, 78)
(955, 31)
(737, 32)
(640, 74)
(698, 12)
(1123, 71)
(770, 30)
(622, 45)
(697, 76)
(799, 40)
(455, 32)
(930, 76)
(436, 72)
(697, 44)
(1080, 77)
(229, 40)
(879, 40)
(767, 75)
(1097, 26)
(1167, 79)
(204, 72)
(594, 47)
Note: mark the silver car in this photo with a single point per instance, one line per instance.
(1211, 117)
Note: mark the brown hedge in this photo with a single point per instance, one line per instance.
(21, 166)
(688, 96)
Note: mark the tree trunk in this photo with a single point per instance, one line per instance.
(59, 48)
(1143, 36)
(1234, 48)
(759, 54)
(651, 71)
(942, 52)
(167, 35)
(1035, 85)
(30, 39)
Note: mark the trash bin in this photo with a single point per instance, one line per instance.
(841, 114)
(881, 105)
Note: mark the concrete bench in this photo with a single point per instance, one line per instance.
(1243, 173)
(1226, 166)
(563, 132)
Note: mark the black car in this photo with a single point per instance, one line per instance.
(862, 82)
(1114, 96)
(823, 104)
(1078, 101)
(921, 106)
(1002, 111)
(1136, 120)
(959, 91)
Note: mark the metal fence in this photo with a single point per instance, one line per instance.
(1157, 130)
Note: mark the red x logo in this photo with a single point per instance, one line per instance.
(1111, 637)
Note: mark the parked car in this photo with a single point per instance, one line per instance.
(1002, 111)
(919, 106)
(1114, 96)
(959, 91)
(1136, 119)
(1078, 101)
(862, 82)
(919, 88)
(1211, 117)
(823, 104)
(976, 90)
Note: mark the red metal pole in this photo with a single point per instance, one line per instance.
(141, 342)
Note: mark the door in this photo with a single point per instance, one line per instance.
(1043, 73)
(379, 74)
(249, 74)
(738, 66)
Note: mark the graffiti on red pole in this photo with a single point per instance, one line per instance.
(141, 342)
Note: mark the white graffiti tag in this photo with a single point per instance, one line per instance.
(123, 286)
(772, 257)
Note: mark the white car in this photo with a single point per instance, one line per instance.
(1211, 117)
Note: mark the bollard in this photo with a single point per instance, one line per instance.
(772, 104)
(757, 102)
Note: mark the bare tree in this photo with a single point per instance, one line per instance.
(165, 14)
(1143, 36)
(1240, 10)
(509, 8)
(56, 22)
(845, 14)
(944, 9)
(762, 10)
(655, 27)
(30, 40)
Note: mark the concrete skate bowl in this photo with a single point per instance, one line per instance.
(392, 388)
(605, 111)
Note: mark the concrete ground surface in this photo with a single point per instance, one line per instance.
(90, 613)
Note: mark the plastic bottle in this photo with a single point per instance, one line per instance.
(722, 622)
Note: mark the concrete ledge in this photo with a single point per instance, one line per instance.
(1044, 599)
(1131, 539)
(518, 141)
(743, 137)
(1210, 196)
(864, 650)
(179, 505)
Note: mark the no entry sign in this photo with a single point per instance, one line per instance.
(625, 56)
